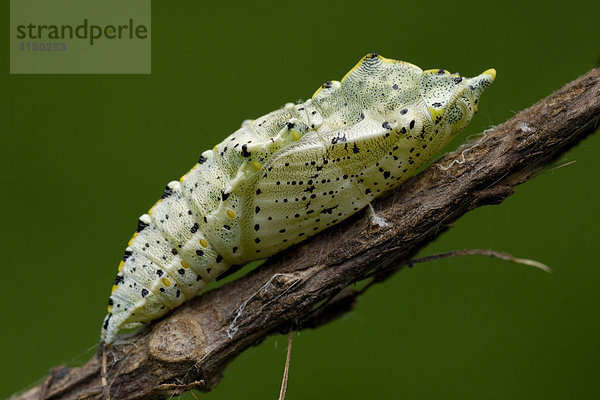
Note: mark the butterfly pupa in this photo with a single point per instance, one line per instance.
(286, 176)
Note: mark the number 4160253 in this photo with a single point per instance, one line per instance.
(49, 46)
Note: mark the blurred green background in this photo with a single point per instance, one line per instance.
(83, 156)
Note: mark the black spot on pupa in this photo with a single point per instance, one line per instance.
(395, 87)
(257, 209)
(144, 292)
(403, 111)
(256, 227)
(159, 272)
(355, 149)
(386, 125)
(194, 228)
(245, 152)
(224, 196)
(328, 210)
(436, 104)
(412, 124)
(174, 251)
(457, 79)
(181, 271)
(219, 258)
(141, 226)
(199, 253)
(326, 85)
(201, 160)
(127, 255)
(168, 191)
(256, 240)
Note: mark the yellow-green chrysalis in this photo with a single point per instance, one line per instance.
(286, 176)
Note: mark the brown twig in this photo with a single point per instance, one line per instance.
(190, 347)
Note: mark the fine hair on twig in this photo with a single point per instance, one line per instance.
(286, 370)
(475, 252)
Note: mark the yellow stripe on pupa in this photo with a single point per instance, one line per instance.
(436, 113)
(438, 71)
(256, 166)
(131, 240)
